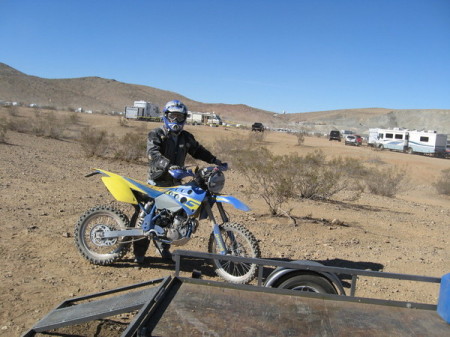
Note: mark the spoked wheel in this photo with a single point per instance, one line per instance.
(238, 242)
(89, 232)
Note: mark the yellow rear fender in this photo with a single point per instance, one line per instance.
(120, 187)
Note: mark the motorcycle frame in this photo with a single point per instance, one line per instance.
(150, 218)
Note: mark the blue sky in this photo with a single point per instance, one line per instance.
(276, 55)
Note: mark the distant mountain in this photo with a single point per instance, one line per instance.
(106, 95)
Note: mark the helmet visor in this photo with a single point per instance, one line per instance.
(176, 117)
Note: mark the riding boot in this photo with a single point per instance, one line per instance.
(163, 249)
(139, 249)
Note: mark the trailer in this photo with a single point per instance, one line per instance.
(203, 118)
(409, 141)
(194, 118)
(142, 110)
(183, 306)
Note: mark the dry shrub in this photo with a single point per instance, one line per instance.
(257, 136)
(229, 149)
(442, 185)
(73, 118)
(131, 148)
(300, 138)
(49, 125)
(259, 165)
(385, 181)
(3, 129)
(277, 179)
(95, 143)
(320, 178)
(13, 110)
(20, 125)
(123, 122)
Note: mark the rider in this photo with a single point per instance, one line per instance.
(168, 146)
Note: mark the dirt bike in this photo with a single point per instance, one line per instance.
(167, 215)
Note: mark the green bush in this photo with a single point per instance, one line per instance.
(442, 185)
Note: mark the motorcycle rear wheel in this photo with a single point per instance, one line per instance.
(244, 244)
(88, 230)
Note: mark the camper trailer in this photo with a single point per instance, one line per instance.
(194, 118)
(142, 110)
(410, 141)
(205, 118)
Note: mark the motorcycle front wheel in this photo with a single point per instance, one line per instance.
(89, 232)
(239, 241)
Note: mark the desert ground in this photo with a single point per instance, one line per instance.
(44, 191)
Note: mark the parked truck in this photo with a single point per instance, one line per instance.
(142, 110)
(409, 141)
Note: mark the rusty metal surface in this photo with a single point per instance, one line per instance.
(201, 310)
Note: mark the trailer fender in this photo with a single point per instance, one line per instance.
(281, 274)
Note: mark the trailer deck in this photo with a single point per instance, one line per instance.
(178, 306)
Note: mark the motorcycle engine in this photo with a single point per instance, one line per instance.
(178, 226)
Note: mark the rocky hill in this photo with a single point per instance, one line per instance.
(106, 95)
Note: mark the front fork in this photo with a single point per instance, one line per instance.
(216, 229)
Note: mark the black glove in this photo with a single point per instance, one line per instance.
(162, 163)
(217, 162)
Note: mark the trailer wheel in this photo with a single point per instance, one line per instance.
(307, 282)
(409, 150)
(381, 147)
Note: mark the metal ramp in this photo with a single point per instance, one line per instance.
(96, 306)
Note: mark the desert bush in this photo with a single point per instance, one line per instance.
(95, 143)
(228, 149)
(131, 147)
(19, 125)
(48, 107)
(300, 138)
(316, 177)
(385, 181)
(442, 185)
(277, 179)
(123, 121)
(267, 175)
(48, 125)
(13, 110)
(375, 160)
(73, 118)
(3, 130)
(258, 136)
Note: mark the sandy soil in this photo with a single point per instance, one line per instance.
(44, 191)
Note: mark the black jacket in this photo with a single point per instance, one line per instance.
(165, 149)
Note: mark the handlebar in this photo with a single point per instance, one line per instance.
(183, 172)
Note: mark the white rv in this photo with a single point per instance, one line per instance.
(194, 117)
(206, 118)
(410, 141)
(142, 110)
